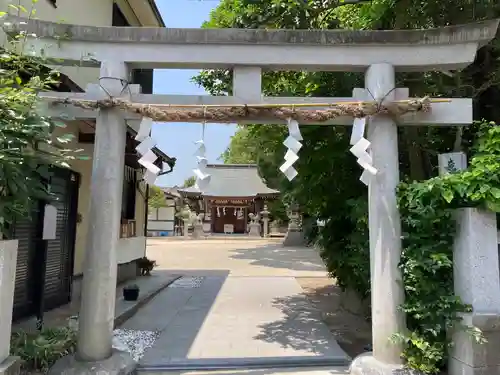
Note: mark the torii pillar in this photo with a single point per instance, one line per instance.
(387, 294)
(97, 312)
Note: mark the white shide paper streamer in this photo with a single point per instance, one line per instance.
(359, 149)
(202, 176)
(145, 149)
(293, 144)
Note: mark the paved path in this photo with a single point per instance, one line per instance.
(240, 301)
(239, 257)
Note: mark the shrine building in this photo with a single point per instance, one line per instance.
(235, 191)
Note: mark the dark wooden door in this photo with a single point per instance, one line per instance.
(229, 215)
(57, 254)
(60, 251)
(27, 232)
(240, 215)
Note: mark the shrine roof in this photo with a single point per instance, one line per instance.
(233, 180)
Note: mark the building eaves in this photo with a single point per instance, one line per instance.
(156, 11)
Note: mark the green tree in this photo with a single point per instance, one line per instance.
(156, 197)
(242, 149)
(189, 182)
(28, 145)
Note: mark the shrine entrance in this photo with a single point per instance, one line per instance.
(380, 105)
(229, 219)
(235, 191)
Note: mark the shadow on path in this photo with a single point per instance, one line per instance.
(178, 313)
(343, 314)
(301, 328)
(277, 256)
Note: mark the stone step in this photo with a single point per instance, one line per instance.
(249, 366)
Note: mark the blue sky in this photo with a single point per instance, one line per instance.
(177, 139)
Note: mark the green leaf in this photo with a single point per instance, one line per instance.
(495, 192)
(447, 195)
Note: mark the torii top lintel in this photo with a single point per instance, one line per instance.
(445, 48)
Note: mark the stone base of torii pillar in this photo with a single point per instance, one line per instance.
(120, 363)
(366, 364)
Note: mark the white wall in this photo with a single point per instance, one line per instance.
(162, 219)
(79, 12)
(130, 249)
(167, 226)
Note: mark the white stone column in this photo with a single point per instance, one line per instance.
(186, 228)
(8, 261)
(97, 310)
(265, 225)
(384, 221)
(265, 221)
(477, 282)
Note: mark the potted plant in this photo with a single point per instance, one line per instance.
(131, 292)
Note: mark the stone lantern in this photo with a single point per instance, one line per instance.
(265, 220)
(185, 215)
(294, 235)
(293, 213)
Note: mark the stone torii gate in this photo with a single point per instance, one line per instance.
(248, 52)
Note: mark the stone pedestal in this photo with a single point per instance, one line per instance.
(8, 259)
(198, 231)
(294, 237)
(119, 363)
(477, 282)
(254, 230)
(367, 364)
(10, 366)
(185, 232)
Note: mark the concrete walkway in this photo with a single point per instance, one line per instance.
(235, 312)
(149, 288)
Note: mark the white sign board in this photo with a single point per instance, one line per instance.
(452, 162)
(49, 222)
(229, 228)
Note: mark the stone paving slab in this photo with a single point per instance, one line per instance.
(235, 318)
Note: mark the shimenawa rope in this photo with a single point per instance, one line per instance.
(165, 113)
